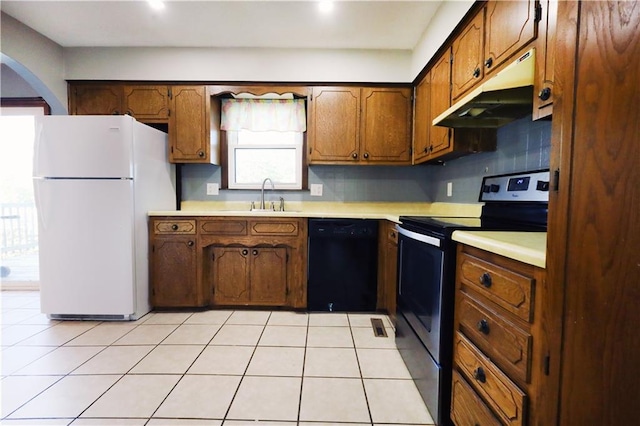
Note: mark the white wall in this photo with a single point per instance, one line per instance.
(14, 86)
(246, 64)
(38, 60)
(441, 26)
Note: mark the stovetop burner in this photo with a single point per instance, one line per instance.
(513, 202)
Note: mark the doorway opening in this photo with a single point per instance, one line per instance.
(19, 266)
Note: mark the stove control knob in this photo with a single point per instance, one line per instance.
(495, 188)
(542, 185)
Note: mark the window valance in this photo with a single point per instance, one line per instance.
(260, 115)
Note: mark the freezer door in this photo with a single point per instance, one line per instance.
(83, 146)
(86, 246)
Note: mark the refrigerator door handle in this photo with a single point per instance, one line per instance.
(37, 195)
(36, 147)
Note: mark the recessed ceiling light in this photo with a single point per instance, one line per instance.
(325, 6)
(156, 4)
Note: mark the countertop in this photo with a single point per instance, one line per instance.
(526, 247)
(316, 209)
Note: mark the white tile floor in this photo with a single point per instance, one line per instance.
(218, 367)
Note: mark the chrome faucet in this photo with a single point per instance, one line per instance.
(262, 206)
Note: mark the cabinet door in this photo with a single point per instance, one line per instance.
(545, 57)
(147, 103)
(231, 275)
(440, 137)
(422, 120)
(174, 272)
(269, 276)
(509, 26)
(99, 99)
(387, 268)
(335, 125)
(468, 52)
(385, 132)
(189, 125)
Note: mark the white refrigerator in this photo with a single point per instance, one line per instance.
(95, 179)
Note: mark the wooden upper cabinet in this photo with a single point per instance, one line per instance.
(545, 61)
(440, 100)
(468, 52)
(509, 26)
(334, 134)
(95, 99)
(386, 125)
(147, 103)
(421, 120)
(354, 125)
(189, 125)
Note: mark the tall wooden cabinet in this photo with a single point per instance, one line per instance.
(353, 125)
(593, 235)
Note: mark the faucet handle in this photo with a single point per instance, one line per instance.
(253, 205)
(281, 204)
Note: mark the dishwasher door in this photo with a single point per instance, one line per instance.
(343, 259)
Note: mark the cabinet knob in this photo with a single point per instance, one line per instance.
(174, 227)
(366, 155)
(354, 155)
(201, 154)
(483, 326)
(545, 94)
(190, 243)
(476, 73)
(485, 280)
(245, 252)
(480, 375)
(426, 149)
(488, 63)
(430, 148)
(393, 234)
(254, 252)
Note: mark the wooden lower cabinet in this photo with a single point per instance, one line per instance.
(387, 268)
(249, 276)
(501, 344)
(228, 261)
(173, 264)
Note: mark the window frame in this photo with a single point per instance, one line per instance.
(300, 166)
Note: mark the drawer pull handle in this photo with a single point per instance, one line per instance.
(190, 243)
(485, 280)
(255, 252)
(483, 326)
(245, 252)
(174, 227)
(479, 375)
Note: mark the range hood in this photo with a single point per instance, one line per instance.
(506, 96)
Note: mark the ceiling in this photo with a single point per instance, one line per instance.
(238, 23)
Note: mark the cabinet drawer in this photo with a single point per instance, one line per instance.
(502, 341)
(223, 227)
(466, 407)
(288, 228)
(503, 396)
(179, 226)
(508, 288)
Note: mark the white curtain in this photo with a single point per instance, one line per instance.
(261, 115)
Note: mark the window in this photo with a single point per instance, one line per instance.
(264, 140)
(254, 156)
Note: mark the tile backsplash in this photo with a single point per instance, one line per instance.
(522, 145)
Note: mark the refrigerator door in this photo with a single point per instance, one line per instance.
(86, 247)
(83, 146)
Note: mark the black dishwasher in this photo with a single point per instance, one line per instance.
(342, 273)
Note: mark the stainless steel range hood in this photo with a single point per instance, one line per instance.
(506, 96)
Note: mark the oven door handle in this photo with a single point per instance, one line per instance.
(419, 237)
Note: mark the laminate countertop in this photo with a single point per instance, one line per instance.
(318, 209)
(526, 247)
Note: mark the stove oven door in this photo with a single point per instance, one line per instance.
(421, 270)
